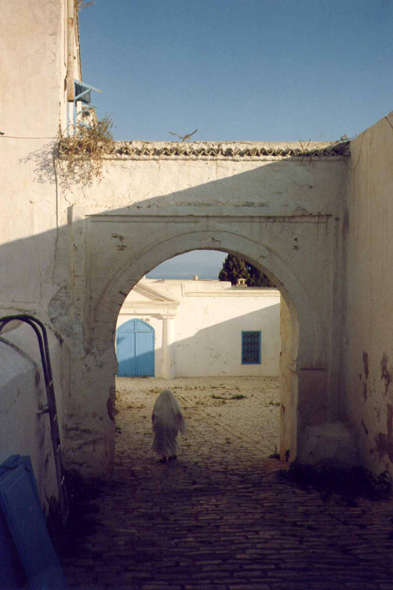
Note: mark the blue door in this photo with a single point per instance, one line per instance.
(135, 349)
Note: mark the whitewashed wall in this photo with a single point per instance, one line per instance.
(207, 326)
(22, 394)
(70, 253)
(33, 56)
(368, 364)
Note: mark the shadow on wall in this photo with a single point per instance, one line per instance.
(24, 426)
(212, 351)
(36, 272)
(291, 237)
(132, 361)
(217, 350)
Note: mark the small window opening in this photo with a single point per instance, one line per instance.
(82, 92)
(251, 348)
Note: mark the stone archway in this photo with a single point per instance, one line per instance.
(296, 297)
(303, 381)
(283, 216)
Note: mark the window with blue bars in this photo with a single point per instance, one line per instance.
(251, 348)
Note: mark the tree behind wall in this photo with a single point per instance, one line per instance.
(235, 268)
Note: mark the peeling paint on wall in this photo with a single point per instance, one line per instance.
(365, 364)
(110, 404)
(118, 237)
(385, 375)
(60, 309)
(384, 441)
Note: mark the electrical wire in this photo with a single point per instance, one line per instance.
(386, 117)
(361, 141)
(21, 137)
(360, 153)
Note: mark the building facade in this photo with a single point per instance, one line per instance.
(317, 220)
(198, 328)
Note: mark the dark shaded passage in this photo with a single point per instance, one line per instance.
(219, 518)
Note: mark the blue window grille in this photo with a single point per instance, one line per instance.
(251, 348)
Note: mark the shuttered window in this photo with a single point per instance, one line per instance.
(251, 348)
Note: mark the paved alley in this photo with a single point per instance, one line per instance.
(218, 518)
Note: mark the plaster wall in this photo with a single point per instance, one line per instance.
(260, 185)
(33, 55)
(125, 216)
(284, 215)
(22, 393)
(71, 252)
(288, 385)
(208, 323)
(369, 325)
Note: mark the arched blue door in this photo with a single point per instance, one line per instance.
(135, 349)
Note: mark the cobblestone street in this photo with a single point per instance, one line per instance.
(218, 518)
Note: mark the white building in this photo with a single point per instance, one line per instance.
(189, 328)
(317, 219)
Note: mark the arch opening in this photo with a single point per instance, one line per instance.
(303, 377)
(289, 329)
(207, 314)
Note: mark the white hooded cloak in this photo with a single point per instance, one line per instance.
(167, 420)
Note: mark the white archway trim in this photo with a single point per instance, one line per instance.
(303, 311)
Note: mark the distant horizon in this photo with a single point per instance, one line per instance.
(182, 278)
(206, 264)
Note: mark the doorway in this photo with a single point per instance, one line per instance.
(135, 349)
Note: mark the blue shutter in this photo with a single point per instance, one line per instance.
(135, 349)
(144, 357)
(126, 349)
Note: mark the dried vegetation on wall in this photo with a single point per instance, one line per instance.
(84, 148)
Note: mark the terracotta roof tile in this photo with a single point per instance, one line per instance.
(239, 150)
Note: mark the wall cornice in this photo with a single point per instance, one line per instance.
(242, 151)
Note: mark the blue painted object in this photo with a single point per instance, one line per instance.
(135, 349)
(12, 574)
(251, 348)
(82, 93)
(20, 505)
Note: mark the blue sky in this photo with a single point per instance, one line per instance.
(252, 70)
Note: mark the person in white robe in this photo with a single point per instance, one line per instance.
(167, 420)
